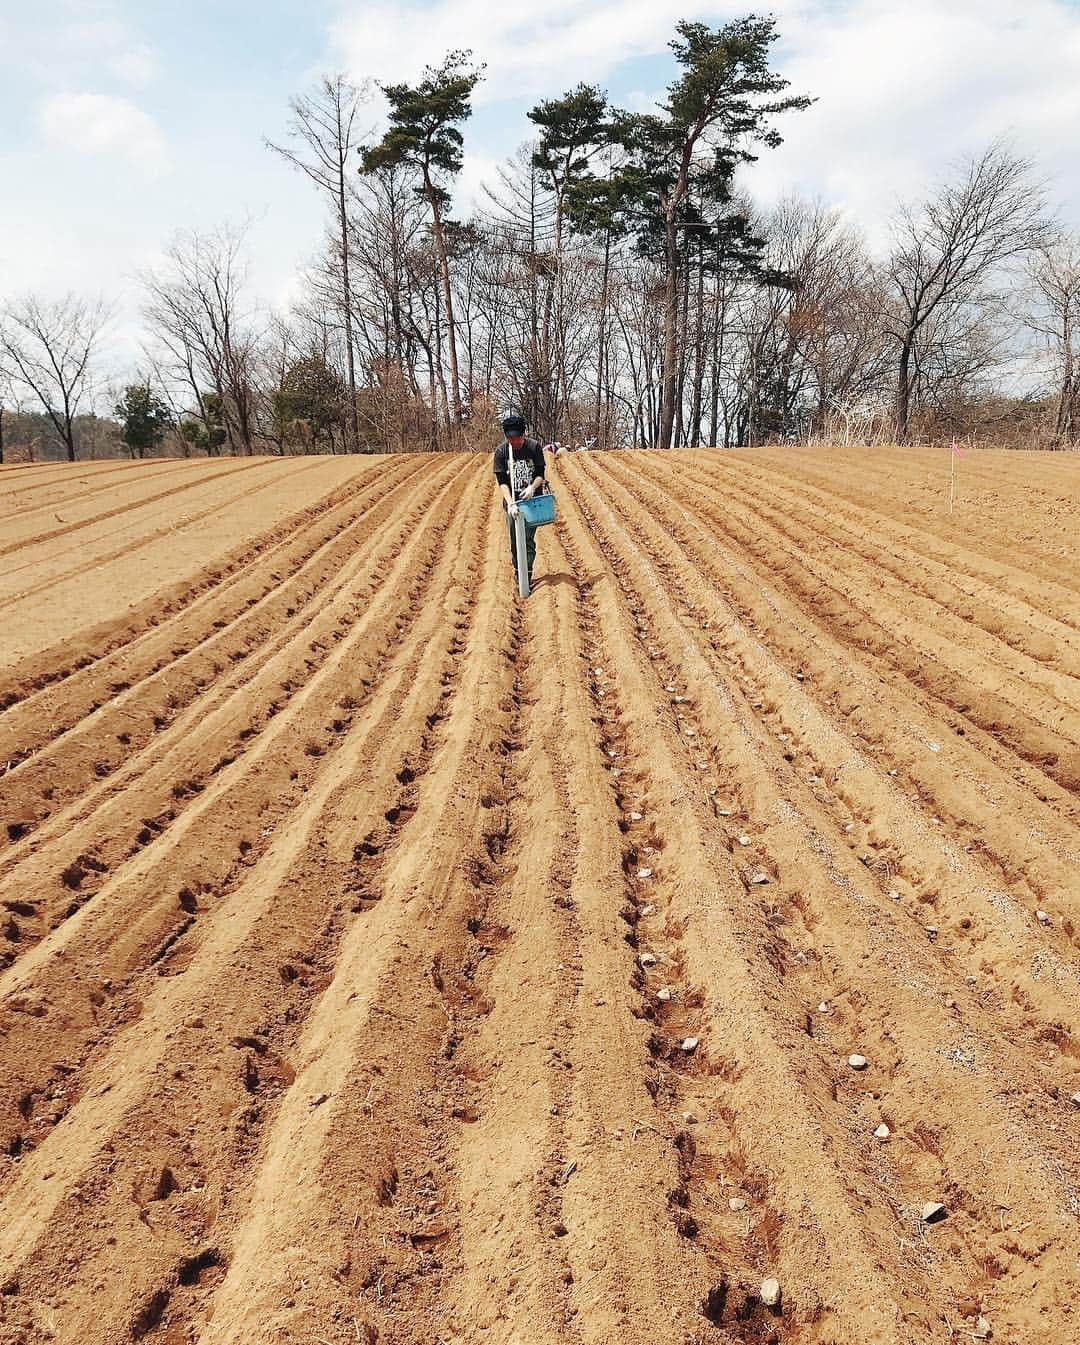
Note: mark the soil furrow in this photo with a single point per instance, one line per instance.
(208, 848)
(915, 498)
(302, 898)
(81, 651)
(278, 669)
(99, 559)
(799, 712)
(102, 722)
(19, 480)
(1036, 711)
(804, 868)
(188, 482)
(370, 1182)
(891, 724)
(1024, 626)
(393, 960)
(65, 493)
(559, 1058)
(1026, 623)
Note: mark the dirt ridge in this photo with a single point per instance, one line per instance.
(386, 959)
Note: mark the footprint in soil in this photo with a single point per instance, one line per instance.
(190, 1272)
(194, 1269)
(80, 869)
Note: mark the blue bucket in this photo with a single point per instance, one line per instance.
(540, 509)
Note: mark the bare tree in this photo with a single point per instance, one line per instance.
(324, 122)
(520, 216)
(1054, 315)
(6, 396)
(949, 259)
(196, 306)
(424, 137)
(814, 345)
(49, 348)
(397, 306)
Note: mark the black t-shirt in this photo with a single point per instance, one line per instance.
(528, 465)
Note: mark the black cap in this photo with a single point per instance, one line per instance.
(513, 425)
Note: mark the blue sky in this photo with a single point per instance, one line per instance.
(121, 123)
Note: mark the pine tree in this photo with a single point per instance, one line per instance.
(424, 136)
(679, 166)
(144, 417)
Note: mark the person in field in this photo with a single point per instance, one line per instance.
(528, 479)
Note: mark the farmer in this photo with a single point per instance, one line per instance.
(528, 480)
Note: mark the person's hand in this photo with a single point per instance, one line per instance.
(527, 493)
(513, 510)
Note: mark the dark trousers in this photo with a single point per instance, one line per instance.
(530, 545)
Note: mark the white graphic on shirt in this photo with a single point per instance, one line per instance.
(522, 475)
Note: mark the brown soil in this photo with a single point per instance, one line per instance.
(354, 914)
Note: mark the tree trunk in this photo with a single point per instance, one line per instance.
(395, 291)
(602, 333)
(444, 271)
(719, 315)
(682, 346)
(1066, 427)
(903, 392)
(533, 407)
(346, 298)
(69, 429)
(699, 354)
(671, 319)
(434, 400)
(346, 285)
(786, 393)
(436, 349)
(549, 354)
(242, 397)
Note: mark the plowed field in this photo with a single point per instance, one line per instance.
(387, 959)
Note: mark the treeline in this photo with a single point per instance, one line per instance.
(614, 285)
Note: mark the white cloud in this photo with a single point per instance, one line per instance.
(73, 43)
(905, 87)
(94, 32)
(290, 291)
(135, 64)
(906, 91)
(528, 49)
(477, 172)
(101, 124)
